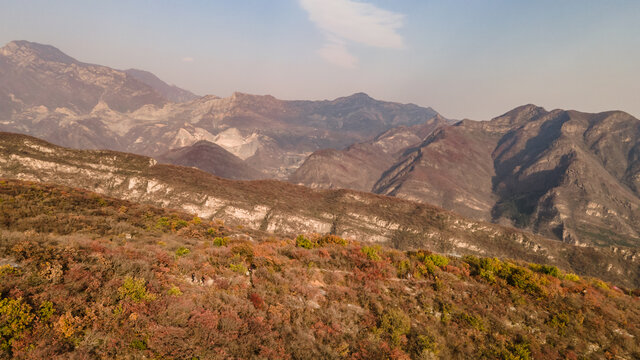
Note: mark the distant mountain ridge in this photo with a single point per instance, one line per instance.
(45, 93)
(565, 174)
(170, 92)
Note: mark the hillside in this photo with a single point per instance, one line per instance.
(287, 209)
(84, 276)
(211, 158)
(567, 175)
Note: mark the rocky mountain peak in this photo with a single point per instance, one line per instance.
(22, 51)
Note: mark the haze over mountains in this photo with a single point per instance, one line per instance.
(48, 94)
(566, 175)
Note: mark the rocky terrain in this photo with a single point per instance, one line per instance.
(564, 174)
(286, 209)
(45, 93)
(170, 92)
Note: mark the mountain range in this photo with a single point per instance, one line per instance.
(567, 175)
(564, 175)
(285, 209)
(45, 93)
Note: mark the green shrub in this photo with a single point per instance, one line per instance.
(46, 310)
(571, 277)
(220, 241)
(438, 260)
(473, 321)
(182, 251)
(546, 269)
(139, 344)
(404, 267)
(8, 270)
(135, 289)
(179, 224)
(600, 284)
(174, 291)
(239, 268)
(15, 319)
(396, 324)
(163, 223)
(304, 242)
(372, 252)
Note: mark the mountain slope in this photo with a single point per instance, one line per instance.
(84, 276)
(170, 92)
(211, 158)
(284, 208)
(564, 174)
(359, 166)
(34, 75)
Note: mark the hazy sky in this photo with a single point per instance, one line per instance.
(466, 59)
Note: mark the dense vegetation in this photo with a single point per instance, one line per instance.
(84, 276)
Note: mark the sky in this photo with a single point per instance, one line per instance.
(472, 59)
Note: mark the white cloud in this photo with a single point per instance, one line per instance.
(187, 59)
(336, 53)
(352, 21)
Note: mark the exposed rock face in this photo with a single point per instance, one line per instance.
(35, 75)
(45, 93)
(285, 208)
(359, 166)
(170, 92)
(211, 158)
(564, 174)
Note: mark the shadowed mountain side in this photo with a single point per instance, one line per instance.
(564, 174)
(286, 209)
(359, 166)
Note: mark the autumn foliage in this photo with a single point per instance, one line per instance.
(83, 276)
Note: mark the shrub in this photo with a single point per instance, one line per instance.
(174, 291)
(135, 289)
(473, 321)
(332, 240)
(46, 310)
(571, 277)
(600, 284)
(139, 344)
(304, 242)
(438, 260)
(396, 324)
(8, 270)
(15, 319)
(404, 267)
(239, 268)
(182, 251)
(546, 269)
(220, 241)
(371, 252)
(243, 250)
